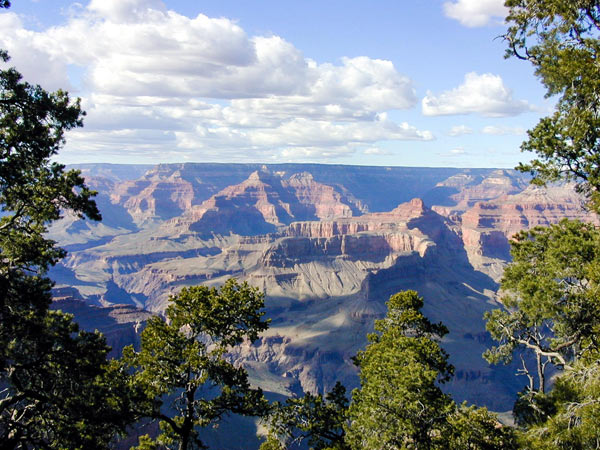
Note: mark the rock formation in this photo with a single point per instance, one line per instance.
(303, 234)
(488, 226)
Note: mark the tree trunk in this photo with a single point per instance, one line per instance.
(541, 375)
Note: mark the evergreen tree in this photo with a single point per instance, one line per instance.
(472, 428)
(575, 400)
(551, 320)
(399, 404)
(551, 299)
(560, 38)
(57, 389)
(181, 365)
(315, 419)
(552, 309)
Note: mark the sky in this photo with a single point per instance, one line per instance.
(380, 82)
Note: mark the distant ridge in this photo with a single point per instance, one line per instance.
(327, 244)
(366, 183)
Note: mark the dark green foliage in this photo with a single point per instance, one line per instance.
(575, 419)
(560, 39)
(57, 389)
(62, 392)
(551, 298)
(553, 313)
(313, 418)
(181, 365)
(399, 404)
(475, 428)
(553, 309)
(532, 407)
(34, 190)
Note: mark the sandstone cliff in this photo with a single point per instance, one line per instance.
(488, 226)
(303, 235)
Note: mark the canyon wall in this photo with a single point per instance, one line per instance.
(327, 245)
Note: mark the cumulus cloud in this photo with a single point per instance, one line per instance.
(316, 153)
(454, 153)
(202, 83)
(475, 13)
(125, 11)
(500, 131)
(460, 130)
(376, 151)
(484, 94)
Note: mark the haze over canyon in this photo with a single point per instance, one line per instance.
(327, 245)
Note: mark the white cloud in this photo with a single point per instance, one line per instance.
(376, 151)
(203, 85)
(454, 153)
(29, 59)
(460, 130)
(299, 132)
(500, 131)
(138, 48)
(483, 94)
(475, 13)
(124, 11)
(318, 153)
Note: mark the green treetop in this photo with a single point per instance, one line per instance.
(560, 39)
(575, 405)
(34, 190)
(552, 307)
(317, 419)
(399, 404)
(181, 365)
(57, 389)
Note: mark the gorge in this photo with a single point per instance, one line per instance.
(326, 244)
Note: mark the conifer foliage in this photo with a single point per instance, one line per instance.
(551, 288)
(57, 390)
(181, 366)
(560, 39)
(399, 402)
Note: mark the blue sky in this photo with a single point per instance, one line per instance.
(414, 83)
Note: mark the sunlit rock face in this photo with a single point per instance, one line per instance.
(327, 245)
(488, 226)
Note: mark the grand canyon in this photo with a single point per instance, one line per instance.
(326, 244)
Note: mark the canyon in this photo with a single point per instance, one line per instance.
(326, 244)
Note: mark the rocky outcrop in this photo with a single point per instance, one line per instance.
(301, 234)
(460, 192)
(488, 226)
(120, 324)
(532, 207)
(263, 203)
(369, 237)
(366, 247)
(154, 197)
(319, 200)
(396, 220)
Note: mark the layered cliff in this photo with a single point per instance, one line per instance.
(304, 236)
(264, 202)
(120, 324)
(488, 226)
